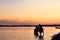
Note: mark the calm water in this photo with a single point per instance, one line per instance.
(25, 33)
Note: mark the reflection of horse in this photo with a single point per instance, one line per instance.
(41, 37)
(38, 37)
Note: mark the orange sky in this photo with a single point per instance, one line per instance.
(31, 11)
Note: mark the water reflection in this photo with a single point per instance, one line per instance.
(41, 38)
(38, 37)
(26, 33)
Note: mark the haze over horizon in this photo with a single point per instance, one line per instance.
(29, 11)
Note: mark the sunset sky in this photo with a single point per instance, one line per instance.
(29, 11)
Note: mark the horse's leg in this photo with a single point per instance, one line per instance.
(40, 33)
(43, 33)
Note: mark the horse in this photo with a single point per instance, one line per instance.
(40, 30)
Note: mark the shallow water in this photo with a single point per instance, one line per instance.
(25, 33)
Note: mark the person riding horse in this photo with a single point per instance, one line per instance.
(39, 29)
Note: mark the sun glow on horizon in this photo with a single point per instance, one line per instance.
(36, 11)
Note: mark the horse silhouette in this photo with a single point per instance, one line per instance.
(38, 29)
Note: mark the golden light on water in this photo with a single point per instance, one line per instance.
(25, 33)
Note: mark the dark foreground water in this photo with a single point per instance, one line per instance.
(25, 33)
